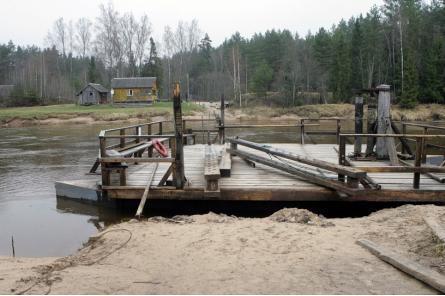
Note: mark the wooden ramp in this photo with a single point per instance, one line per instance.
(265, 183)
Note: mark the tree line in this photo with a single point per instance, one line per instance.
(401, 43)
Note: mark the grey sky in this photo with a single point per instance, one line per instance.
(27, 22)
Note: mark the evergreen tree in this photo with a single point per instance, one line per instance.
(93, 76)
(410, 92)
(262, 79)
(152, 67)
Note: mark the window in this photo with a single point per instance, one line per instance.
(91, 93)
(130, 92)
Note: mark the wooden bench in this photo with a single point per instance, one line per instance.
(211, 169)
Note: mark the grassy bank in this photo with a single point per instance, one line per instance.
(97, 112)
(420, 113)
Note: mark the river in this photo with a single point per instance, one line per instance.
(33, 158)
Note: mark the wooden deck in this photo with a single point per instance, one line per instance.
(266, 183)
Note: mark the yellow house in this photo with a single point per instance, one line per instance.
(134, 90)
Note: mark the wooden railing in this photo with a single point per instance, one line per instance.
(417, 168)
(425, 129)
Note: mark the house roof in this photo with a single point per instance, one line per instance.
(96, 86)
(133, 82)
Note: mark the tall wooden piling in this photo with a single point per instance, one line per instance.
(358, 125)
(179, 145)
(383, 120)
(371, 121)
(221, 128)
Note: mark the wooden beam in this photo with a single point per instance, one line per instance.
(167, 174)
(146, 191)
(401, 169)
(352, 172)
(306, 175)
(267, 125)
(405, 144)
(133, 159)
(211, 169)
(421, 273)
(225, 166)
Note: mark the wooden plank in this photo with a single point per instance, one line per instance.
(310, 177)
(421, 273)
(438, 231)
(352, 172)
(133, 160)
(225, 166)
(401, 169)
(146, 191)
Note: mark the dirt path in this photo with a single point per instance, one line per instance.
(293, 251)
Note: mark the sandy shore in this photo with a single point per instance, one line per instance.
(292, 251)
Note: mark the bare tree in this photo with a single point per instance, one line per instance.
(142, 36)
(83, 36)
(57, 36)
(169, 49)
(105, 42)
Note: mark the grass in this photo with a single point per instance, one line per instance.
(98, 112)
(426, 112)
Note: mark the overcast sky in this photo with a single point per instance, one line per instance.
(27, 21)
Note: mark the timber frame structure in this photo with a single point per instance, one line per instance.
(230, 168)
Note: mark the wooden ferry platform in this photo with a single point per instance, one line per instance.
(230, 168)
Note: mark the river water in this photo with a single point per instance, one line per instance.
(33, 158)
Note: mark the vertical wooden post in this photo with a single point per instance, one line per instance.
(418, 161)
(383, 120)
(403, 133)
(221, 128)
(302, 131)
(149, 129)
(160, 128)
(358, 125)
(184, 130)
(150, 149)
(103, 153)
(338, 131)
(425, 132)
(172, 143)
(342, 156)
(372, 116)
(179, 155)
(122, 140)
(138, 132)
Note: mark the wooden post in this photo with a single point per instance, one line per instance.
(372, 116)
(138, 132)
(338, 131)
(342, 156)
(122, 140)
(184, 129)
(302, 131)
(160, 128)
(222, 133)
(179, 155)
(383, 120)
(418, 161)
(150, 149)
(358, 125)
(403, 133)
(424, 147)
(103, 153)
